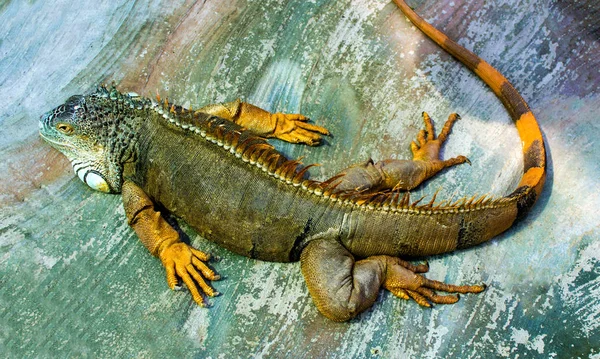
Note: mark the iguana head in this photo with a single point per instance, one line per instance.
(97, 134)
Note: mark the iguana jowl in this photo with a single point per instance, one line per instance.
(213, 168)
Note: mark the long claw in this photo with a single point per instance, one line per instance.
(451, 288)
(200, 281)
(420, 268)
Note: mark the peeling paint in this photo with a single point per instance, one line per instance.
(81, 285)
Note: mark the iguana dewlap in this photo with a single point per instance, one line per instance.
(213, 168)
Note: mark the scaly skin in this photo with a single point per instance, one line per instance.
(534, 151)
(213, 168)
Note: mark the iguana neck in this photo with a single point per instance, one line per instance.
(117, 119)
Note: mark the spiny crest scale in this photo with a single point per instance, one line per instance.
(258, 152)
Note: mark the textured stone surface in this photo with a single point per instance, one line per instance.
(76, 282)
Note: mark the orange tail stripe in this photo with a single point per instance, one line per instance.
(534, 152)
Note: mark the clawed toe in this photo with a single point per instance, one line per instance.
(404, 281)
(429, 131)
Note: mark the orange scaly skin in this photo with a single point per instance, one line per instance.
(213, 168)
(534, 151)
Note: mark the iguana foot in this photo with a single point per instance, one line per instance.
(393, 174)
(183, 261)
(287, 127)
(162, 240)
(295, 129)
(427, 147)
(403, 280)
(342, 287)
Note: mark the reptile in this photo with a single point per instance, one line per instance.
(214, 168)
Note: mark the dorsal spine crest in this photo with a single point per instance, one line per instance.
(257, 152)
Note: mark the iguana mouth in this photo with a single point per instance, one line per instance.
(56, 143)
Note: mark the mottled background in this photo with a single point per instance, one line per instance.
(75, 281)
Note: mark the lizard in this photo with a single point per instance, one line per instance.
(214, 168)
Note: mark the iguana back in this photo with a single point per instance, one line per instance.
(228, 199)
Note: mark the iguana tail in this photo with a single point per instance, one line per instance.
(534, 152)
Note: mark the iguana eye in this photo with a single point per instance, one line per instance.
(64, 128)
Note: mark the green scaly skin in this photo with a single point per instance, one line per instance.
(245, 200)
(238, 191)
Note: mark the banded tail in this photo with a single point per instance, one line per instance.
(534, 152)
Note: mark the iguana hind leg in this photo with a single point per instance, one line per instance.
(179, 259)
(342, 287)
(292, 128)
(403, 174)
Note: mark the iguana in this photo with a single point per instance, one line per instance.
(213, 168)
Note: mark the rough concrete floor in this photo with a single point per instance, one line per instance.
(75, 281)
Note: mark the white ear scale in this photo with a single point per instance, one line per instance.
(91, 178)
(96, 182)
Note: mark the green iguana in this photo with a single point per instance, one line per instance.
(213, 168)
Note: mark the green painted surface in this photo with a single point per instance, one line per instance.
(75, 282)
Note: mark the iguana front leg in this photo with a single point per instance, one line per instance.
(403, 174)
(342, 287)
(287, 127)
(179, 259)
